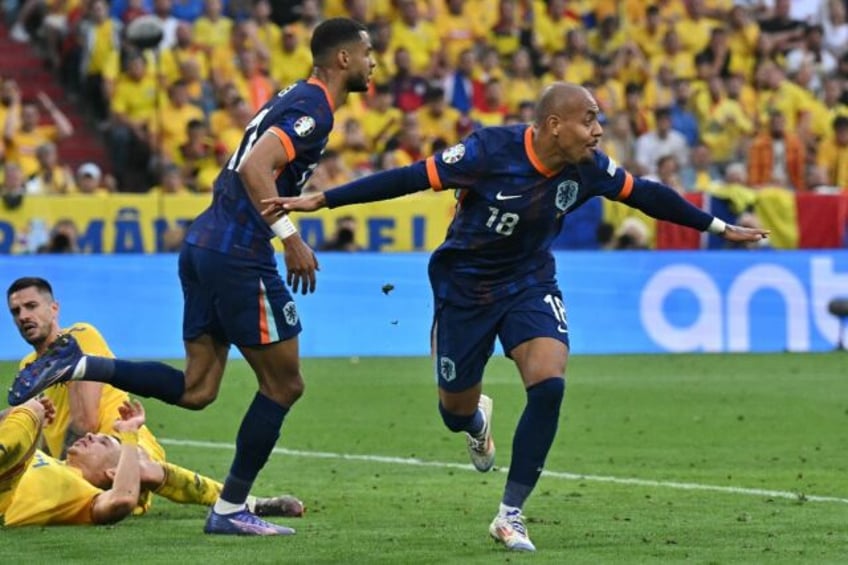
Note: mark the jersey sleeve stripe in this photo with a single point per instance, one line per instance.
(627, 188)
(288, 146)
(433, 174)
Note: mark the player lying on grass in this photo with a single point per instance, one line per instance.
(101, 480)
(83, 408)
(494, 276)
(36, 489)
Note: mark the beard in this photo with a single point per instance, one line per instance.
(357, 84)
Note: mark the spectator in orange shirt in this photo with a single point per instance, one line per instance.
(777, 156)
(254, 86)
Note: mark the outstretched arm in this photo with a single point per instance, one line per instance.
(664, 203)
(379, 186)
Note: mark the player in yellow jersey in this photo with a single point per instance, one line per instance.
(36, 489)
(93, 408)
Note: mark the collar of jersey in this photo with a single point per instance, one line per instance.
(320, 84)
(531, 154)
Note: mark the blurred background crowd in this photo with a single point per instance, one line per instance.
(700, 94)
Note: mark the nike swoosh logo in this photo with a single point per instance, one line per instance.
(501, 196)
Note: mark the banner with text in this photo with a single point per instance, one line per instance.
(617, 302)
(126, 223)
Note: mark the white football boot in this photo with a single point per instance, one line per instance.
(508, 528)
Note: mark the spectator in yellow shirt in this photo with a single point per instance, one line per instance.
(213, 28)
(22, 133)
(267, 32)
(774, 92)
(608, 90)
(292, 62)
(833, 154)
(133, 108)
(185, 49)
(581, 66)
(383, 55)
(505, 35)
(101, 40)
(436, 119)
(649, 37)
(552, 23)
(607, 38)
(381, 120)
(230, 133)
(694, 29)
(175, 114)
(659, 92)
(681, 62)
(742, 40)
(416, 35)
(523, 85)
(51, 176)
(724, 126)
(459, 28)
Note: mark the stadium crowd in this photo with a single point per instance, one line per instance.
(703, 95)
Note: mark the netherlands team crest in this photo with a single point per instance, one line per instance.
(453, 154)
(304, 126)
(447, 369)
(290, 313)
(566, 194)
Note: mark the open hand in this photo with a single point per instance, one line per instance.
(132, 416)
(282, 204)
(301, 265)
(739, 234)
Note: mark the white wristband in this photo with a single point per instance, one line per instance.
(283, 228)
(717, 226)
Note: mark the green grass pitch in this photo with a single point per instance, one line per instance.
(675, 458)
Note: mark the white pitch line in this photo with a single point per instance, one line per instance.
(553, 474)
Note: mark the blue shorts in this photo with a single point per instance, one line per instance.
(464, 337)
(235, 300)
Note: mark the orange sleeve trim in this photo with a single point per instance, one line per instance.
(288, 146)
(433, 174)
(627, 188)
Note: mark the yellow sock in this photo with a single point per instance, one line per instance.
(187, 487)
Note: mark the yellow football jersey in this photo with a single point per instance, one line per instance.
(51, 492)
(91, 343)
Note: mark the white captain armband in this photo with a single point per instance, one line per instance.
(717, 226)
(284, 228)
